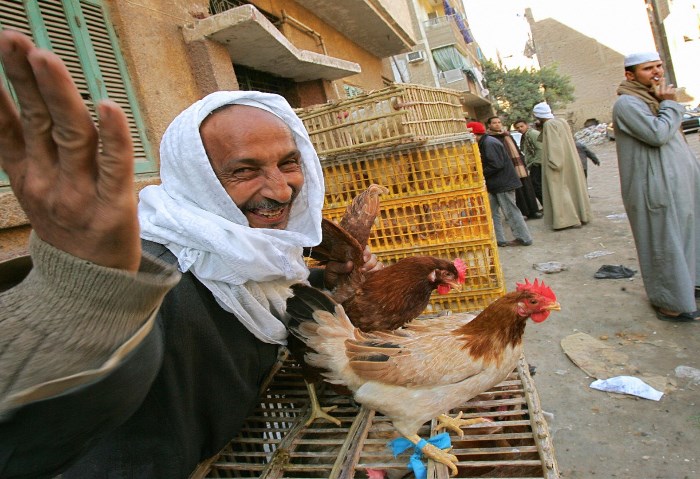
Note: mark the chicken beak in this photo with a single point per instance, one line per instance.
(457, 286)
(555, 306)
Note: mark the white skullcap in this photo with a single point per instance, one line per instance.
(542, 110)
(641, 57)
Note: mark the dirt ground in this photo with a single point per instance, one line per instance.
(598, 434)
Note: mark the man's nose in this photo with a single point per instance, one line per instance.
(276, 187)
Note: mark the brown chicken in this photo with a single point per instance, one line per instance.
(380, 300)
(424, 369)
(388, 298)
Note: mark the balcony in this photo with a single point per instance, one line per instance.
(369, 23)
(252, 41)
(443, 31)
(458, 80)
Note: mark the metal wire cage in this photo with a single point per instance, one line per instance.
(274, 442)
(401, 113)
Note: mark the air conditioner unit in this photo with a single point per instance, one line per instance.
(452, 76)
(414, 57)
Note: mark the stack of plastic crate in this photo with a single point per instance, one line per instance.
(437, 203)
(436, 206)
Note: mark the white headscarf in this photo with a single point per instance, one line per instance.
(542, 110)
(248, 270)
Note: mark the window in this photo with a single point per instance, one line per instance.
(80, 33)
(351, 91)
(251, 79)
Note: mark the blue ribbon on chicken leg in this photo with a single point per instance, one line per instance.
(401, 444)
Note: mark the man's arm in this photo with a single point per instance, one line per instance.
(79, 329)
(633, 117)
(589, 153)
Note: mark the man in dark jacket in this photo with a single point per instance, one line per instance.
(110, 366)
(525, 196)
(501, 183)
(585, 153)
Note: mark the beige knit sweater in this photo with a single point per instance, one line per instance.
(71, 321)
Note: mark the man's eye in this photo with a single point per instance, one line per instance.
(291, 164)
(243, 173)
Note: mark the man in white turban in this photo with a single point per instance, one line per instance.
(564, 189)
(660, 185)
(114, 364)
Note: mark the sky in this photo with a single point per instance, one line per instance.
(501, 26)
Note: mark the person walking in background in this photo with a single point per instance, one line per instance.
(532, 149)
(584, 153)
(660, 185)
(566, 203)
(501, 183)
(525, 196)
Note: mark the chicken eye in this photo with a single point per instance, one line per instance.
(533, 301)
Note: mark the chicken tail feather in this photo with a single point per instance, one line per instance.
(324, 328)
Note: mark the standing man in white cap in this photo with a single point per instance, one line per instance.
(113, 363)
(660, 185)
(564, 190)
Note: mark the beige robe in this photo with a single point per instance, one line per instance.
(564, 189)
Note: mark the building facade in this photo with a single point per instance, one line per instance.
(445, 56)
(156, 57)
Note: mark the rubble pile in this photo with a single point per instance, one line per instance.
(592, 135)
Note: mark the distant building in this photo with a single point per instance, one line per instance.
(596, 68)
(445, 56)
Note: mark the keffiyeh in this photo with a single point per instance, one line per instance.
(248, 270)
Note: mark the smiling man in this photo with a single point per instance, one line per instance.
(111, 367)
(660, 184)
(260, 168)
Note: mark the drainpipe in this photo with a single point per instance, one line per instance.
(306, 29)
(658, 30)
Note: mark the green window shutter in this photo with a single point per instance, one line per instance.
(80, 33)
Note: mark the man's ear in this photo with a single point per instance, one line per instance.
(629, 76)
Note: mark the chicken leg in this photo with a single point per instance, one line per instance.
(455, 423)
(316, 411)
(436, 454)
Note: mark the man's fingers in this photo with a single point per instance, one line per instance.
(72, 128)
(11, 141)
(116, 163)
(36, 123)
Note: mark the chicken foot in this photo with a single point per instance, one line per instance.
(436, 454)
(456, 423)
(318, 412)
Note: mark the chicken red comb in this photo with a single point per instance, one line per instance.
(461, 269)
(536, 287)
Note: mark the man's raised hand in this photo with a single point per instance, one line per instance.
(73, 180)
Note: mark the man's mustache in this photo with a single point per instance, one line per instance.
(270, 204)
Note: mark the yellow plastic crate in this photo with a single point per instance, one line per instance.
(429, 220)
(463, 301)
(484, 276)
(402, 113)
(438, 166)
